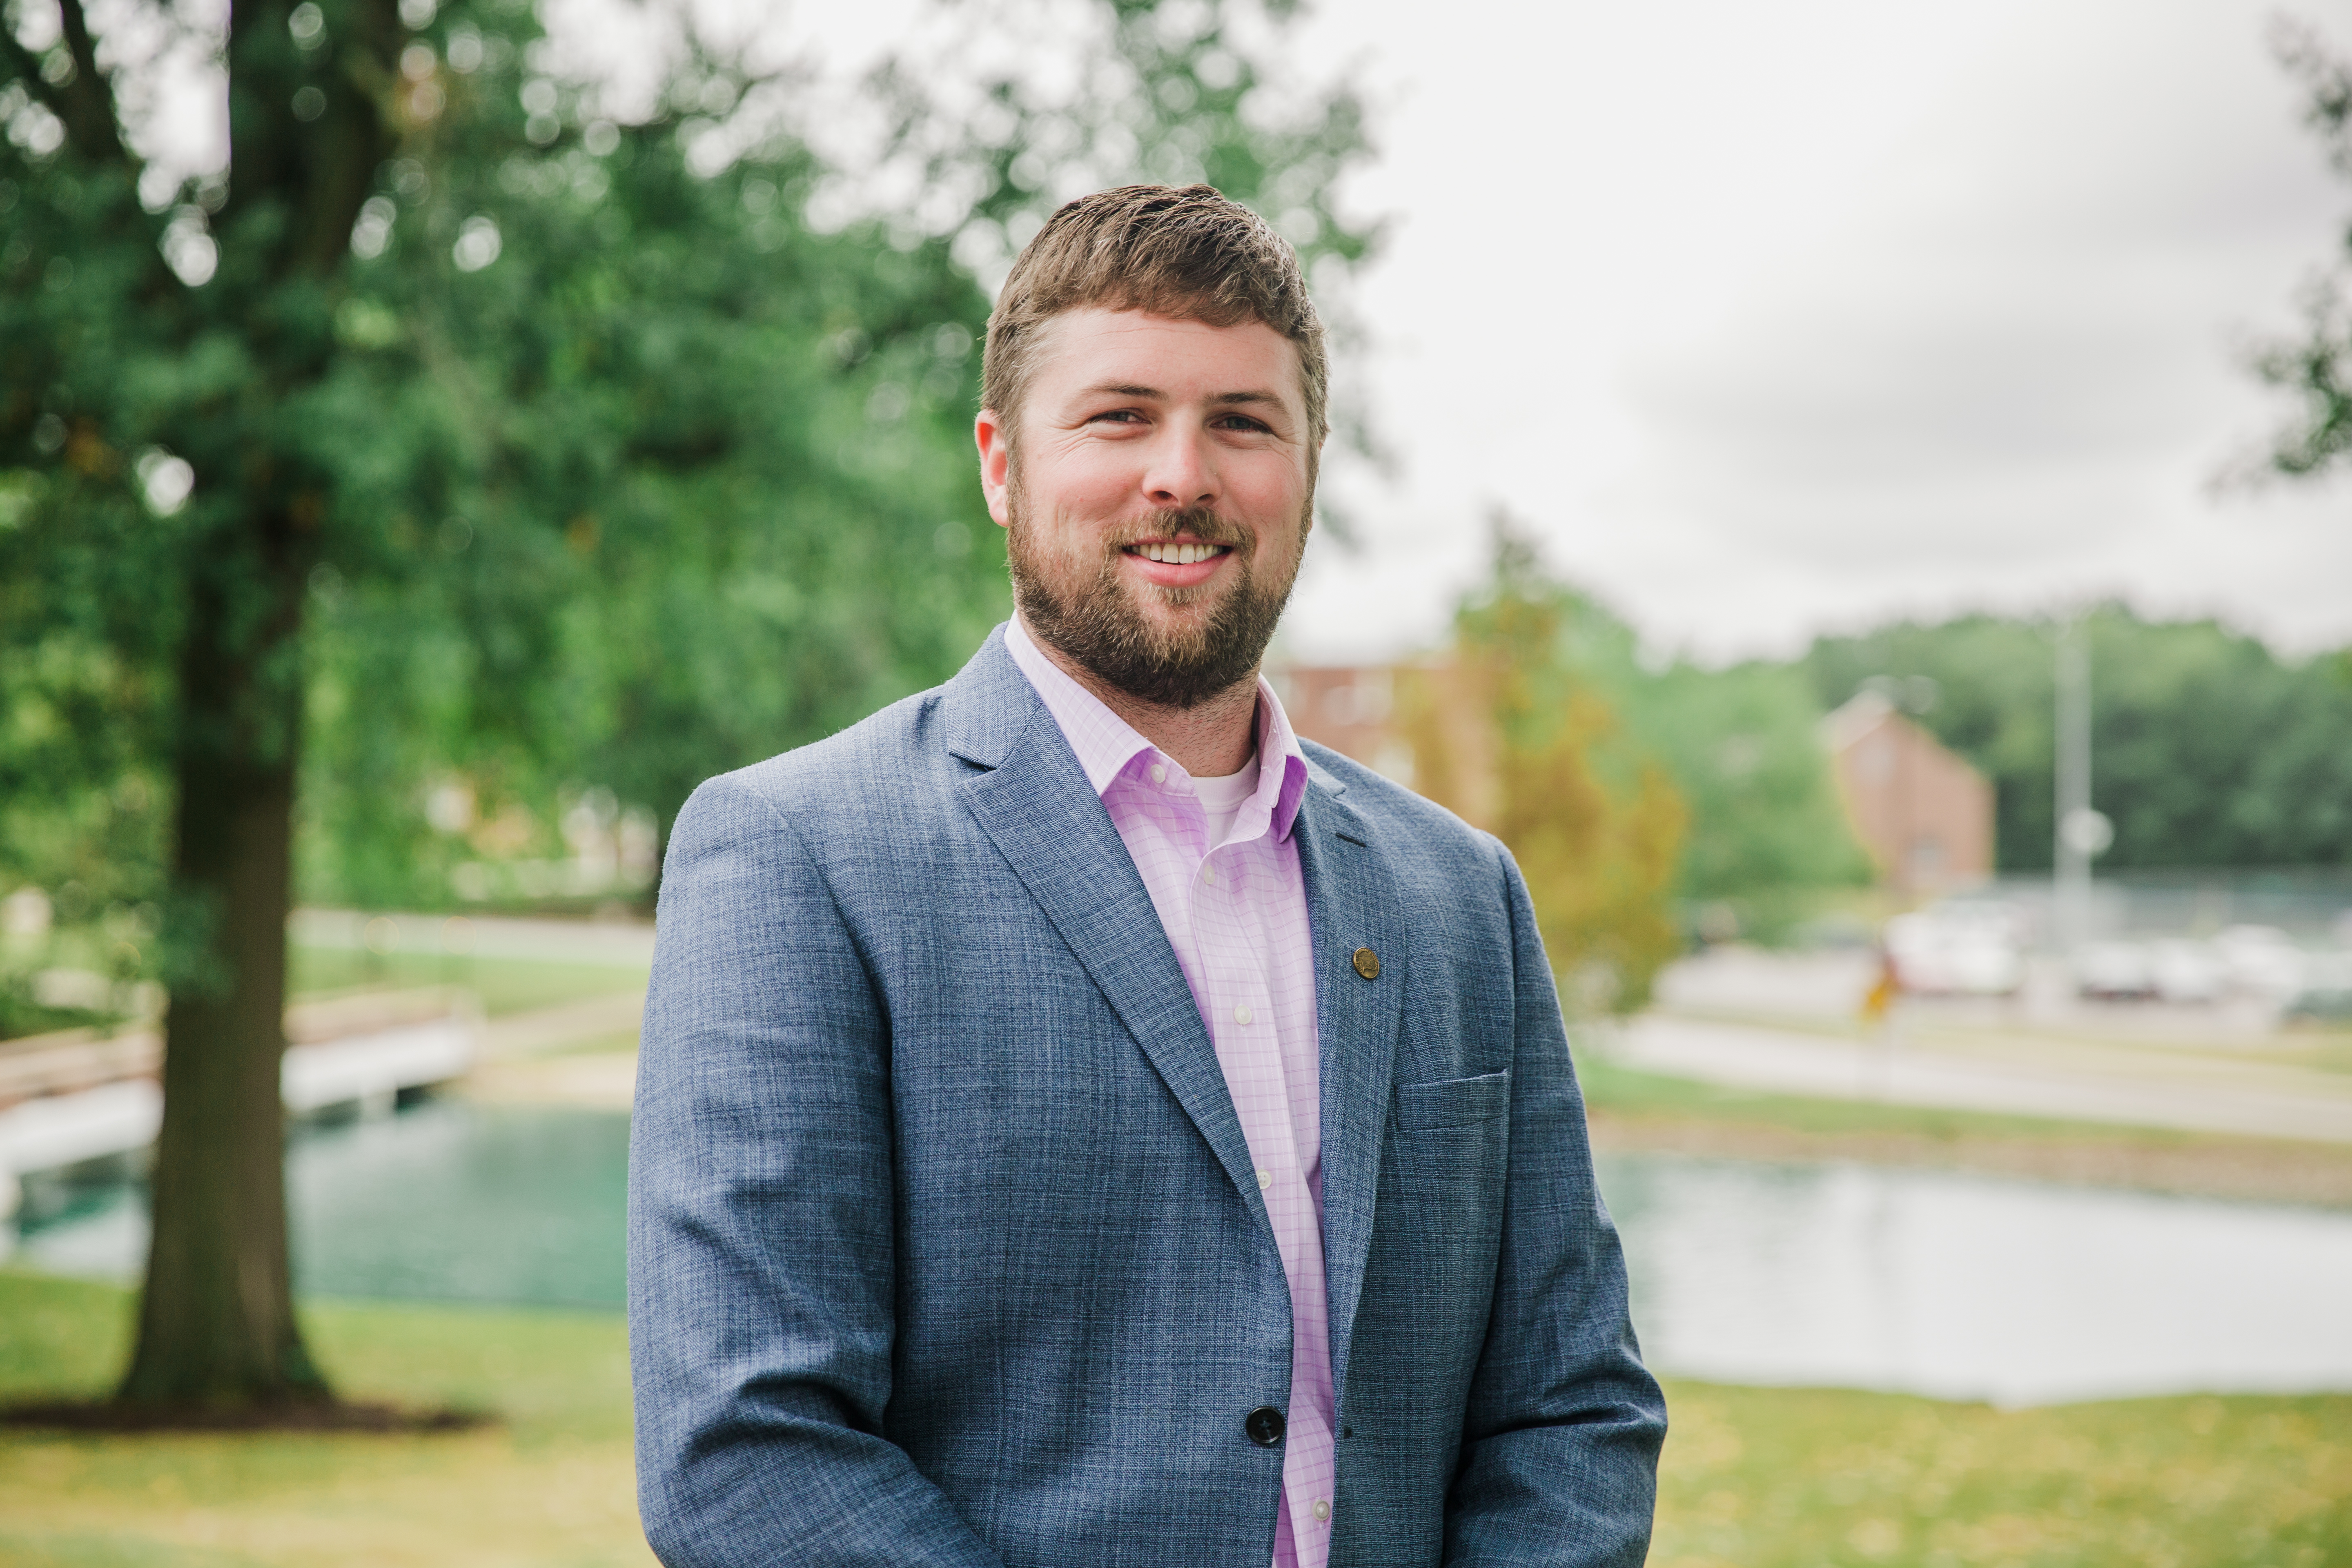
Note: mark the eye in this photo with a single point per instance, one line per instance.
(1115, 416)
(1243, 422)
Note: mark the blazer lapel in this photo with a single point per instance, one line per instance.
(1351, 903)
(1034, 804)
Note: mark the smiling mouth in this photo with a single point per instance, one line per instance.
(1175, 552)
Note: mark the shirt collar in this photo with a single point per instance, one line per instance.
(1106, 744)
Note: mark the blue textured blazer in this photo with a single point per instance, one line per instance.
(944, 1244)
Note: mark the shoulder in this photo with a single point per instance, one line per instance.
(876, 766)
(1415, 829)
(896, 767)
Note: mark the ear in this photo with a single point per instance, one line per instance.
(993, 435)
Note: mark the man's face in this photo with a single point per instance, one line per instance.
(1160, 498)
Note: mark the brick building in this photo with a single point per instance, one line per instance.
(1351, 710)
(1924, 814)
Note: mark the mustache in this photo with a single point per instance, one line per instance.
(1200, 524)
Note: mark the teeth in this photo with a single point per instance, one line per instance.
(1176, 554)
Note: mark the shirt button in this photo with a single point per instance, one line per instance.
(1264, 1180)
(1322, 1508)
(1242, 1015)
(1159, 774)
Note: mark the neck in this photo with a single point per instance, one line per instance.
(1209, 740)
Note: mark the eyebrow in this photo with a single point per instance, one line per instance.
(1115, 389)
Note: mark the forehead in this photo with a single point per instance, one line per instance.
(1079, 350)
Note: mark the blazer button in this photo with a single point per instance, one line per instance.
(1368, 963)
(1263, 1425)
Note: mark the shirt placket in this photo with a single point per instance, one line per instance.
(1249, 1052)
(1242, 1019)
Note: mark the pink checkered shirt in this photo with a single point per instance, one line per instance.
(1236, 917)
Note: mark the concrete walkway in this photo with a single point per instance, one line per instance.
(536, 1057)
(2015, 1074)
(593, 1080)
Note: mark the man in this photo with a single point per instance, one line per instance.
(1078, 1122)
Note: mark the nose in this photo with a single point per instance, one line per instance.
(1179, 470)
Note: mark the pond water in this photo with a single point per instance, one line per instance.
(443, 1201)
(1931, 1282)
(1977, 1287)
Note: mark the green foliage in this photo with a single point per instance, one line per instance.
(1176, 93)
(672, 475)
(2315, 367)
(1762, 834)
(2207, 748)
(1149, 91)
(22, 1013)
(674, 484)
(1768, 836)
(523, 459)
(85, 636)
(1514, 734)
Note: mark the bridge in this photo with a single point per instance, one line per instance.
(84, 1094)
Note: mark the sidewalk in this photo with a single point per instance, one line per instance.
(2008, 1074)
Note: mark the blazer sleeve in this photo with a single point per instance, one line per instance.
(1561, 1436)
(760, 1259)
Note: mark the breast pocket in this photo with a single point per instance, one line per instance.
(1453, 1102)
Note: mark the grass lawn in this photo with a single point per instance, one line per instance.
(551, 1485)
(1806, 1477)
(1757, 1477)
(1612, 1087)
(1632, 1110)
(504, 985)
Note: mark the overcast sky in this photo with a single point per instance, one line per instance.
(1775, 318)
(1769, 320)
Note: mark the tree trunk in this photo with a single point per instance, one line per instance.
(216, 1323)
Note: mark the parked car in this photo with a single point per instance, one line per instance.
(2114, 971)
(2187, 971)
(2326, 993)
(2260, 961)
(1962, 947)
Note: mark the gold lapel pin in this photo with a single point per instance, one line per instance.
(1368, 963)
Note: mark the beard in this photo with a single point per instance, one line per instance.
(1095, 619)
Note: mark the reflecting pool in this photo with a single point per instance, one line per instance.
(443, 1200)
(1972, 1287)
(1934, 1282)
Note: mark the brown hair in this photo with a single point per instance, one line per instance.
(1187, 253)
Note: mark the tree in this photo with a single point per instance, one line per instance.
(1513, 734)
(1768, 838)
(114, 352)
(638, 685)
(2316, 366)
(675, 485)
(2207, 748)
(456, 426)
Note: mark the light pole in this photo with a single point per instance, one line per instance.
(2079, 833)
